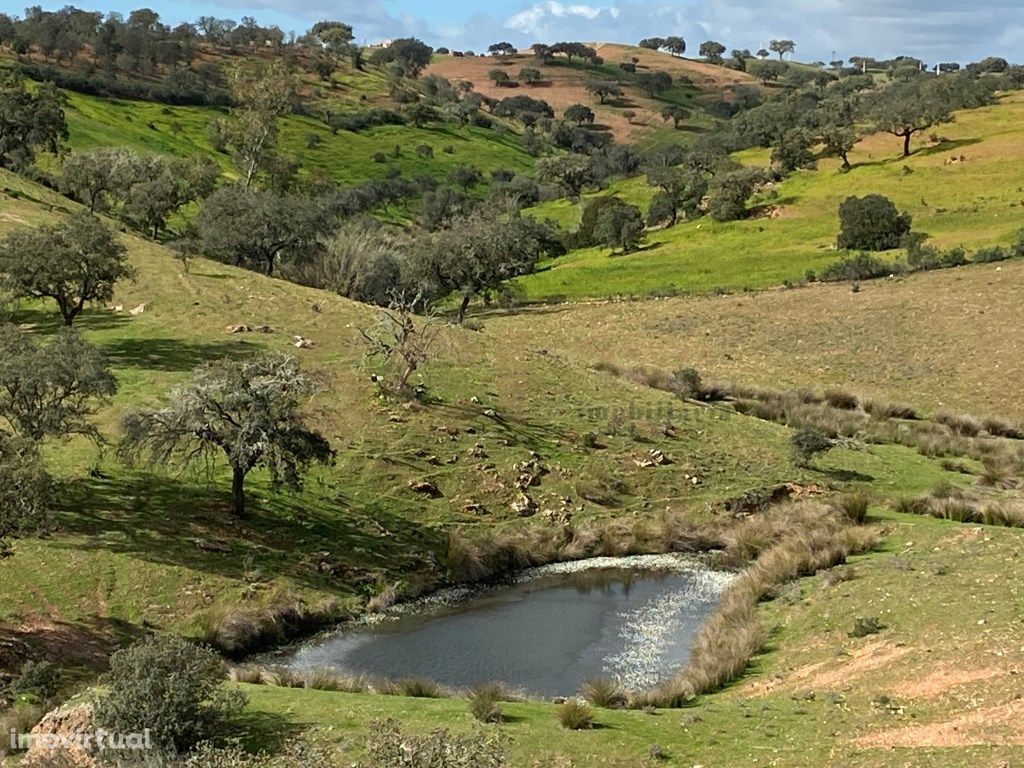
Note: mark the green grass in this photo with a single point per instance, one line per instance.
(132, 536)
(344, 157)
(974, 203)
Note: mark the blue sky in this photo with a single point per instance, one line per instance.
(954, 30)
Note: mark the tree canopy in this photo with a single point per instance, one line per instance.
(30, 120)
(248, 410)
(76, 261)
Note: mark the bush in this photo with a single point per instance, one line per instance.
(604, 692)
(863, 266)
(388, 747)
(575, 715)
(40, 678)
(171, 687)
(485, 702)
(990, 255)
(866, 625)
(808, 443)
(871, 223)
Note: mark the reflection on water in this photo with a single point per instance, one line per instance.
(545, 635)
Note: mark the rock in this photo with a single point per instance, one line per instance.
(655, 458)
(473, 506)
(302, 343)
(64, 724)
(237, 329)
(138, 310)
(426, 488)
(524, 506)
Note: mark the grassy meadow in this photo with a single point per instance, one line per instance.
(974, 203)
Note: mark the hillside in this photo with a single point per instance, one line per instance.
(974, 201)
(563, 84)
(827, 475)
(133, 548)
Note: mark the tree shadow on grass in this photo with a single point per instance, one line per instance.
(173, 522)
(47, 320)
(171, 354)
(847, 475)
(946, 146)
(517, 430)
(262, 731)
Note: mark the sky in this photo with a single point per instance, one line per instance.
(949, 30)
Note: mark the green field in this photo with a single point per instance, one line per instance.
(972, 203)
(344, 157)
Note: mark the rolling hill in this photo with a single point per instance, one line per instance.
(963, 187)
(564, 83)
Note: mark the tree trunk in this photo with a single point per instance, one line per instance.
(462, 309)
(238, 491)
(906, 143)
(846, 160)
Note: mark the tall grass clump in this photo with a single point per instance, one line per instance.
(961, 424)
(604, 692)
(485, 702)
(575, 715)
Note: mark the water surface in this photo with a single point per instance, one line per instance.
(546, 633)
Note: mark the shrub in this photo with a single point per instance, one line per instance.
(861, 266)
(604, 692)
(686, 383)
(575, 715)
(40, 678)
(808, 443)
(871, 223)
(866, 625)
(171, 687)
(485, 702)
(989, 255)
(388, 747)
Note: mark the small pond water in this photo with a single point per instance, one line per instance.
(632, 619)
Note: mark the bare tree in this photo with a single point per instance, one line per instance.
(400, 342)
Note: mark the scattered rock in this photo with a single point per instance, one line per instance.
(300, 342)
(138, 310)
(426, 488)
(524, 506)
(655, 458)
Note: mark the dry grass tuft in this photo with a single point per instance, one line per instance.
(485, 702)
(604, 692)
(575, 715)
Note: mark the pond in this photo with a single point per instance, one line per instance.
(551, 628)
